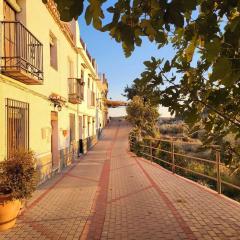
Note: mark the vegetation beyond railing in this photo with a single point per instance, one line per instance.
(170, 154)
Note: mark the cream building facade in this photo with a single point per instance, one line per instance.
(52, 99)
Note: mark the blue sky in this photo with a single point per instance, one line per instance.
(120, 71)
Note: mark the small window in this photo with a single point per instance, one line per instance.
(82, 76)
(53, 51)
(17, 125)
(9, 14)
(70, 68)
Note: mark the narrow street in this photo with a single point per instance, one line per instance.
(111, 194)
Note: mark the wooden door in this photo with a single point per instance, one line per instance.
(80, 126)
(54, 140)
(9, 15)
(72, 127)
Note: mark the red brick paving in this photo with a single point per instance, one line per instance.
(178, 217)
(111, 194)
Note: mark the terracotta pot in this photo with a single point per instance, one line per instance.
(9, 210)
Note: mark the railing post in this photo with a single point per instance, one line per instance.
(218, 161)
(173, 157)
(151, 151)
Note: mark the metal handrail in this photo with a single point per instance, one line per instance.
(177, 166)
(181, 155)
(180, 142)
(216, 164)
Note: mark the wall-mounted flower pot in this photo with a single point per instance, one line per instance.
(9, 210)
(65, 133)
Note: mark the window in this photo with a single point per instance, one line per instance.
(82, 84)
(92, 99)
(70, 68)
(17, 121)
(53, 52)
(82, 75)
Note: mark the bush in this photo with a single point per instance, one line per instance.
(173, 129)
(19, 176)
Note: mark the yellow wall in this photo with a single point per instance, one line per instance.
(38, 20)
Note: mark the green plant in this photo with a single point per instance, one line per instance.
(19, 176)
(143, 116)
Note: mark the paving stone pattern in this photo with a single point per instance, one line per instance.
(112, 194)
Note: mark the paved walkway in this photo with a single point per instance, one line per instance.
(110, 194)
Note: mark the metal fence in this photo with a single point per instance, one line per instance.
(22, 50)
(151, 149)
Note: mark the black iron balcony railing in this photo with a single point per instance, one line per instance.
(22, 57)
(75, 90)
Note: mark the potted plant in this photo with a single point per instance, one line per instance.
(18, 180)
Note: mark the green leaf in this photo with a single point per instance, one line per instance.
(212, 49)
(221, 68)
(189, 51)
(88, 15)
(167, 66)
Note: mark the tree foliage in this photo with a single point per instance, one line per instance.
(143, 116)
(147, 86)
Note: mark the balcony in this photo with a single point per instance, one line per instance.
(22, 57)
(76, 90)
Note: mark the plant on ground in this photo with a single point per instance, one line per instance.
(19, 176)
